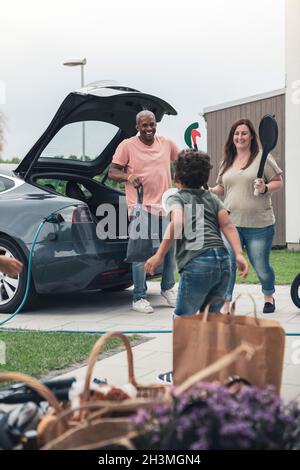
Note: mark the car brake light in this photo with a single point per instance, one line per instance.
(75, 215)
(115, 271)
(81, 214)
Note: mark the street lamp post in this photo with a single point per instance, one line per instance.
(74, 63)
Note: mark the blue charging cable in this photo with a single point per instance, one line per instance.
(53, 218)
(48, 219)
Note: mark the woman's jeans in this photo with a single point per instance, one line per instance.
(202, 279)
(258, 244)
(169, 265)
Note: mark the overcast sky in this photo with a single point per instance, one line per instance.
(193, 54)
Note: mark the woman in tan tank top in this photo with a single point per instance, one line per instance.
(252, 215)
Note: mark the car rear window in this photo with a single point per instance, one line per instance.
(81, 141)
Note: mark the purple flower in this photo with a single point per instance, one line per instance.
(210, 417)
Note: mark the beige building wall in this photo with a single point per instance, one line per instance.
(219, 120)
(293, 123)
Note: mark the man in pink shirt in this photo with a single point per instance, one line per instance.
(144, 160)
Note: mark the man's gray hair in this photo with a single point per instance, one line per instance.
(143, 113)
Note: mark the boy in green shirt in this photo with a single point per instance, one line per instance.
(197, 219)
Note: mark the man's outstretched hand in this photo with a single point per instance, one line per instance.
(135, 181)
(152, 263)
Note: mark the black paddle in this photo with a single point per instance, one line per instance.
(268, 134)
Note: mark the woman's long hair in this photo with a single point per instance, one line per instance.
(230, 149)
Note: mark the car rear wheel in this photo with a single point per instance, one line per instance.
(12, 290)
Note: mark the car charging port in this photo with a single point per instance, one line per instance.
(54, 218)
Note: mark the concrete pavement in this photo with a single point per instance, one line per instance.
(111, 312)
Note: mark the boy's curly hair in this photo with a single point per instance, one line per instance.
(192, 168)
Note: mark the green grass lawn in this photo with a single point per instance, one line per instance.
(37, 353)
(286, 265)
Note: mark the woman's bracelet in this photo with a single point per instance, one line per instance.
(128, 177)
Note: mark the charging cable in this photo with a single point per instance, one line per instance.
(52, 218)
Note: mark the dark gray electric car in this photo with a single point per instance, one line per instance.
(65, 174)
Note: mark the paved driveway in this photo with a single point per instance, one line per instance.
(111, 312)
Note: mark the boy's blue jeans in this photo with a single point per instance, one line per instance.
(258, 244)
(203, 278)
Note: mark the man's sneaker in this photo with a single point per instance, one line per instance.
(166, 377)
(170, 297)
(142, 306)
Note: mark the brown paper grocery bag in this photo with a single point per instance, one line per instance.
(200, 340)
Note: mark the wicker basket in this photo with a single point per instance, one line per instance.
(35, 385)
(96, 431)
(145, 393)
(116, 433)
(44, 392)
(90, 410)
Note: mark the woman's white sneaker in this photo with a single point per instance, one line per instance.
(170, 297)
(142, 306)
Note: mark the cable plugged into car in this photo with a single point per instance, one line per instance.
(81, 216)
(54, 218)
